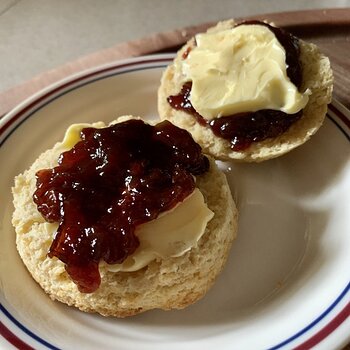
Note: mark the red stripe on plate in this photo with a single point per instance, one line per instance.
(340, 115)
(13, 339)
(71, 82)
(327, 330)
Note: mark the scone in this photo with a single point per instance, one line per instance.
(248, 91)
(181, 250)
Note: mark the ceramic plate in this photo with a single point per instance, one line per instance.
(286, 283)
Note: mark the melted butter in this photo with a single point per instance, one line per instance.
(172, 234)
(237, 70)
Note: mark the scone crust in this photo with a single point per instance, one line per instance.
(317, 76)
(172, 283)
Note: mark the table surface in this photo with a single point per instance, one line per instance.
(38, 35)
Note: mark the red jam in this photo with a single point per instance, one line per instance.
(245, 128)
(240, 129)
(114, 179)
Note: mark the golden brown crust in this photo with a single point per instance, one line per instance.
(172, 283)
(317, 76)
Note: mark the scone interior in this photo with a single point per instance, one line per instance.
(317, 78)
(171, 283)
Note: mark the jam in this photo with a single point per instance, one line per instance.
(182, 102)
(111, 181)
(240, 129)
(243, 129)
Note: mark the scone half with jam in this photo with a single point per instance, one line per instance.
(124, 218)
(247, 91)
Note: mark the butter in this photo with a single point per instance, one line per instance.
(72, 135)
(237, 70)
(172, 234)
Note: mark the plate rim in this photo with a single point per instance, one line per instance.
(83, 74)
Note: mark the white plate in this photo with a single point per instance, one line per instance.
(286, 284)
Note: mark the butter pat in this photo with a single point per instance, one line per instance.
(72, 135)
(237, 70)
(172, 234)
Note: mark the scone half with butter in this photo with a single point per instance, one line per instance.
(124, 218)
(247, 91)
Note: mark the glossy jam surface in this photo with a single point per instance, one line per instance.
(114, 179)
(240, 129)
(245, 128)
